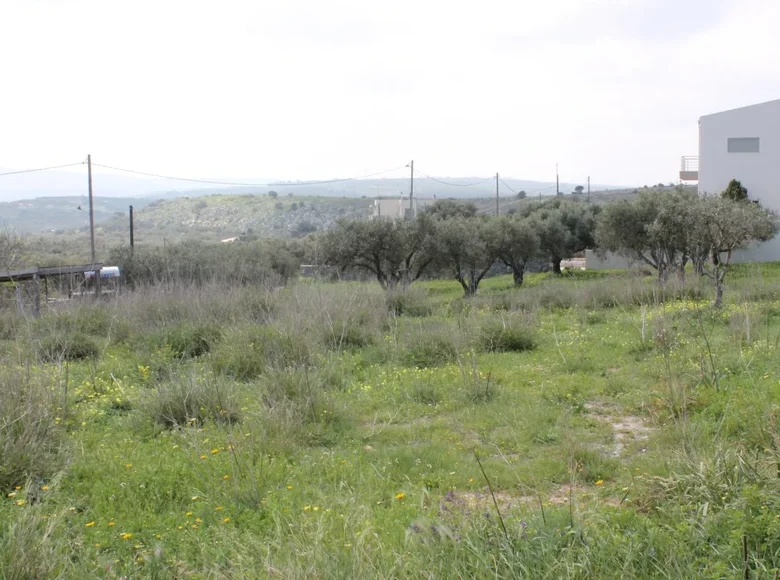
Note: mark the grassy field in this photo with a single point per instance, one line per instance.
(593, 426)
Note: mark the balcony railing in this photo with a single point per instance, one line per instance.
(689, 168)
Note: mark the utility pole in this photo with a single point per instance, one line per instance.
(411, 189)
(497, 193)
(557, 186)
(132, 239)
(91, 213)
(588, 188)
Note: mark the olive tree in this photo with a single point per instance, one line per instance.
(396, 252)
(514, 241)
(564, 229)
(463, 248)
(651, 229)
(722, 225)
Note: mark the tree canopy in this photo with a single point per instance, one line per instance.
(396, 252)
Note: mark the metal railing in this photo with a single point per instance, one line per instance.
(689, 163)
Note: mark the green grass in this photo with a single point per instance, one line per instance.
(325, 431)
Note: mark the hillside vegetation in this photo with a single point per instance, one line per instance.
(577, 427)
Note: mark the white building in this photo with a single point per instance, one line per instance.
(392, 209)
(741, 144)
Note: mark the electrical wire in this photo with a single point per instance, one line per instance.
(41, 169)
(238, 184)
(453, 184)
(507, 186)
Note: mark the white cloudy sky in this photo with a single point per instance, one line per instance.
(318, 89)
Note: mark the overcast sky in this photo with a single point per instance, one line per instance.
(314, 89)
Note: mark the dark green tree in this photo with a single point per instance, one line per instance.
(735, 191)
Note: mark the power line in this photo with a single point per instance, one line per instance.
(238, 184)
(454, 184)
(507, 186)
(41, 169)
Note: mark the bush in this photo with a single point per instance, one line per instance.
(411, 302)
(69, 346)
(30, 436)
(248, 351)
(497, 336)
(30, 547)
(431, 346)
(191, 399)
(191, 340)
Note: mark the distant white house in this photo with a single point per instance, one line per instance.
(741, 144)
(392, 209)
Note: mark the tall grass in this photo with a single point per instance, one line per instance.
(32, 447)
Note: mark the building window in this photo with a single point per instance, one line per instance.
(743, 145)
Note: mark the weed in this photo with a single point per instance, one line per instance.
(189, 398)
(67, 346)
(31, 438)
(498, 336)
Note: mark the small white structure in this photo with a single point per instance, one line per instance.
(393, 209)
(742, 144)
(389, 209)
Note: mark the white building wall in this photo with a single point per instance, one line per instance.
(758, 172)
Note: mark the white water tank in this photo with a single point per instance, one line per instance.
(105, 273)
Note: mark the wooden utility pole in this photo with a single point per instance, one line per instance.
(411, 189)
(132, 239)
(557, 186)
(91, 212)
(588, 188)
(496, 193)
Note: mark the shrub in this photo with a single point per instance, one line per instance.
(30, 437)
(498, 336)
(248, 351)
(190, 399)
(297, 406)
(69, 346)
(30, 546)
(191, 340)
(410, 302)
(431, 346)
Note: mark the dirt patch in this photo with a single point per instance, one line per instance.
(625, 428)
(482, 501)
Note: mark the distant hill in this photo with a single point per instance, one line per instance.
(48, 214)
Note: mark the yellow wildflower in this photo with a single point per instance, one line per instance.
(45, 488)
(188, 514)
(90, 524)
(128, 465)
(111, 524)
(219, 508)
(225, 520)
(125, 535)
(225, 477)
(400, 495)
(214, 451)
(20, 502)
(600, 482)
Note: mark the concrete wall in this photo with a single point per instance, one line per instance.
(758, 172)
(608, 262)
